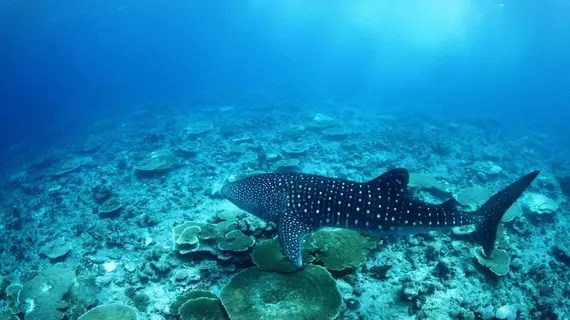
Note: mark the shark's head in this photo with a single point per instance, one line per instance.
(254, 194)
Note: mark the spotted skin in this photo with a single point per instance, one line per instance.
(301, 203)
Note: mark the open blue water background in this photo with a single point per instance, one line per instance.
(69, 62)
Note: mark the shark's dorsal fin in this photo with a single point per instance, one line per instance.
(393, 181)
(292, 231)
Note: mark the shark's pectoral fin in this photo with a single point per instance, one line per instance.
(291, 232)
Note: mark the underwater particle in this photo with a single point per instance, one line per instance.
(56, 249)
(110, 311)
(498, 262)
(110, 206)
(268, 256)
(185, 297)
(340, 249)
(203, 308)
(309, 293)
(236, 241)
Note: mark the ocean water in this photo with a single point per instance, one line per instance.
(121, 121)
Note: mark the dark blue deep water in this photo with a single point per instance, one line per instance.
(66, 62)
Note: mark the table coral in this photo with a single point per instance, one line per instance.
(310, 293)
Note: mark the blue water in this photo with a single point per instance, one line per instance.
(120, 121)
(65, 62)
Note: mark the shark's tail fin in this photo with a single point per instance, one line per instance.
(493, 210)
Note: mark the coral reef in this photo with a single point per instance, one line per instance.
(127, 215)
(309, 293)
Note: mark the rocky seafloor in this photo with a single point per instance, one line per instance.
(123, 219)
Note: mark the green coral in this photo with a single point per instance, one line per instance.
(186, 244)
(56, 249)
(13, 289)
(44, 293)
(199, 305)
(309, 293)
(110, 206)
(269, 256)
(236, 241)
(498, 262)
(110, 311)
(217, 231)
(211, 237)
(12, 292)
(340, 248)
(183, 298)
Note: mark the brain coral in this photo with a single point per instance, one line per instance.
(310, 294)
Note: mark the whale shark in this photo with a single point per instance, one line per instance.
(300, 204)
